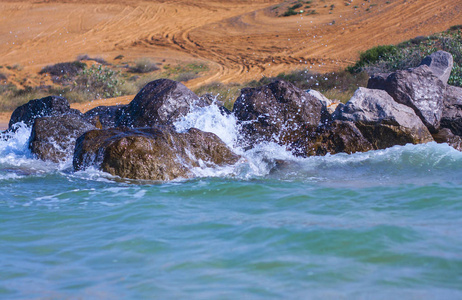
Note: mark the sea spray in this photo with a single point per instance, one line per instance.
(374, 167)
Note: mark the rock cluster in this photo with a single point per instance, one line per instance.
(138, 140)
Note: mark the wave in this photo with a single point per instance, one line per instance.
(413, 164)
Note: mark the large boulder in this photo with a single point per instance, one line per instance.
(421, 90)
(104, 117)
(382, 121)
(53, 138)
(156, 153)
(452, 112)
(334, 137)
(278, 112)
(160, 102)
(44, 107)
(440, 63)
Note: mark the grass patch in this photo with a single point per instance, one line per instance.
(389, 58)
(144, 65)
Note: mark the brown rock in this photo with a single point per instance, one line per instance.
(157, 153)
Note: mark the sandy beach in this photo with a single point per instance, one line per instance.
(238, 40)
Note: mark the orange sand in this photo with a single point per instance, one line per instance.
(240, 40)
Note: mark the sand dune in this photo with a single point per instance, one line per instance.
(240, 40)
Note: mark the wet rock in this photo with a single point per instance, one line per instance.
(53, 138)
(104, 117)
(452, 112)
(278, 112)
(156, 153)
(421, 90)
(335, 137)
(446, 136)
(44, 107)
(160, 102)
(378, 81)
(382, 121)
(210, 99)
(440, 63)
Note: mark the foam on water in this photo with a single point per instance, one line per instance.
(414, 163)
(408, 164)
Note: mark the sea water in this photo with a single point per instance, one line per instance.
(377, 225)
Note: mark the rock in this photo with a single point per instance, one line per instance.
(44, 107)
(335, 137)
(421, 90)
(160, 102)
(378, 81)
(156, 153)
(53, 138)
(446, 136)
(382, 121)
(104, 117)
(452, 112)
(278, 112)
(440, 63)
(328, 106)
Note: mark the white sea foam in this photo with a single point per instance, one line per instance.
(270, 158)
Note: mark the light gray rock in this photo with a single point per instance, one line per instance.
(440, 63)
(420, 89)
(382, 121)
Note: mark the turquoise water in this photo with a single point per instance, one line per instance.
(372, 225)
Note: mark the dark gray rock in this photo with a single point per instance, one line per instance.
(452, 112)
(156, 153)
(44, 107)
(53, 138)
(160, 102)
(421, 90)
(278, 112)
(103, 117)
(440, 63)
(335, 137)
(446, 136)
(378, 81)
(382, 121)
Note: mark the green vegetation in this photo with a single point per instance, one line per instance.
(389, 58)
(294, 9)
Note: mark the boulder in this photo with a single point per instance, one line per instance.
(104, 117)
(335, 137)
(382, 121)
(53, 138)
(452, 112)
(378, 81)
(44, 107)
(328, 106)
(440, 63)
(160, 102)
(278, 112)
(156, 153)
(446, 136)
(421, 90)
